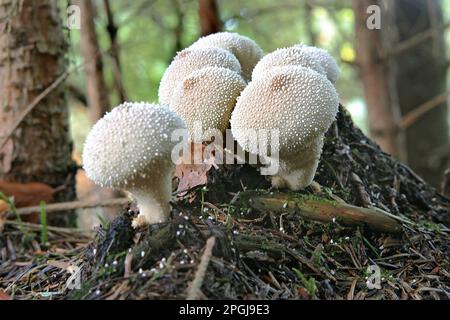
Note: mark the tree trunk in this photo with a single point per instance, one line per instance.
(209, 17)
(179, 27)
(115, 53)
(421, 73)
(97, 92)
(309, 23)
(375, 73)
(32, 57)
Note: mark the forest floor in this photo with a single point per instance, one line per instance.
(236, 238)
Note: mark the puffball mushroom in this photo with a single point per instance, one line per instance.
(130, 149)
(300, 104)
(325, 59)
(189, 60)
(205, 99)
(247, 51)
(288, 56)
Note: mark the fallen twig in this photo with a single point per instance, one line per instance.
(324, 210)
(66, 206)
(194, 288)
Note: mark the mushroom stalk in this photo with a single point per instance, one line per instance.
(297, 172)
(153, 202)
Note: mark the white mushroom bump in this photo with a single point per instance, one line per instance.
(325, 59)
(245, 49)
(130, 149)
(205, 99)
(298, 102)
(189, 60)
(285, 57)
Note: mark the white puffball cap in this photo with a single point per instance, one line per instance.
(130, 142)
(207, 97)
(325, 59)
(247, 51)
(189, 60)
(297, 101)
(295, 56)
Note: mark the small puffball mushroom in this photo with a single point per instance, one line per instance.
(296, 56)
(325, 59)
(247, 51)
(189, 60)
(205, 99)
(298, 103)
(130, 149)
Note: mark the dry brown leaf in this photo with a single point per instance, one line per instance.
(4, 296)
(3, 213)
(193, 175)
(190, 176)
(27, 195)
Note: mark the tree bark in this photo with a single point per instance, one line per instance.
(32, 57)
(97, 92)
(209, 17)
(421, 75)
(375, 73)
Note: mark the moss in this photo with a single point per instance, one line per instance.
(429, 225)
(83, 292)
(302, 198)
(309, 284)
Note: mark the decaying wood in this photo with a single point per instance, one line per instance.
(321, 209)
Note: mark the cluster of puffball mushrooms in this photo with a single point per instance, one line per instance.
(221, 79)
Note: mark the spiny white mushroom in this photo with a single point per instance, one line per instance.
(245, 49)
(205, 99)
(189, 60)
(297, 102)
(130, 149)
(296, 56)
(325, 59)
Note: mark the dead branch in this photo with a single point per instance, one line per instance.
(320, 209)
(67, 206)
(413, 116)
(416, 40)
